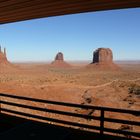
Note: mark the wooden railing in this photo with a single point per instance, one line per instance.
(5, 100)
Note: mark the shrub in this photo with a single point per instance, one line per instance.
(134, 89)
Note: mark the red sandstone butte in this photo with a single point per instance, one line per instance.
(5, 65)
(103, 60)
(59, 61)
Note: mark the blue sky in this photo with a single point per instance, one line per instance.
(77, 36)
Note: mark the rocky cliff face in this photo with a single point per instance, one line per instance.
(3, 58)
(103, 60)
(5, 65)
(102, 55)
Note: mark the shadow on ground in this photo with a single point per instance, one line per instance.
(16, 128)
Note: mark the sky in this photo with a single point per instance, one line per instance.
(76, 36)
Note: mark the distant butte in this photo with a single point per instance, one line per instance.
(59, 61)
(59, 57)
(103, 55)
(3, 57)
(103, 60)
(5, 65)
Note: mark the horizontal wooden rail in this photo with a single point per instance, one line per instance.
(72, 123)
(100, 118)
(51, 110)
(133, 112)
(70, 113)
(51, 119)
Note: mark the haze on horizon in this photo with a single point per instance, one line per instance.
(77, 36)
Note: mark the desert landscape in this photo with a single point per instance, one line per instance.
(100, 82)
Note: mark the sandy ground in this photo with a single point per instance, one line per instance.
(76, 84)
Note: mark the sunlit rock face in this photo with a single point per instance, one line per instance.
(5, 65)
(3, 58)
(103, 55)
(103, 60)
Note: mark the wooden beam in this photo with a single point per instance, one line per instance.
(18, 10)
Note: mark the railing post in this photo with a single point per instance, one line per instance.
(102, 122)
(0, 103)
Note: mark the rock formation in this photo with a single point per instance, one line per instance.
(5, 65)
(103, 60)
(103, 55)
(59, 57)
(59, 61)
(3, 58)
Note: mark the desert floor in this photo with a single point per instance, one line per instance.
(76, 84)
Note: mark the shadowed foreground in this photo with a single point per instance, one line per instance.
(12, 127)
(18, 123)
